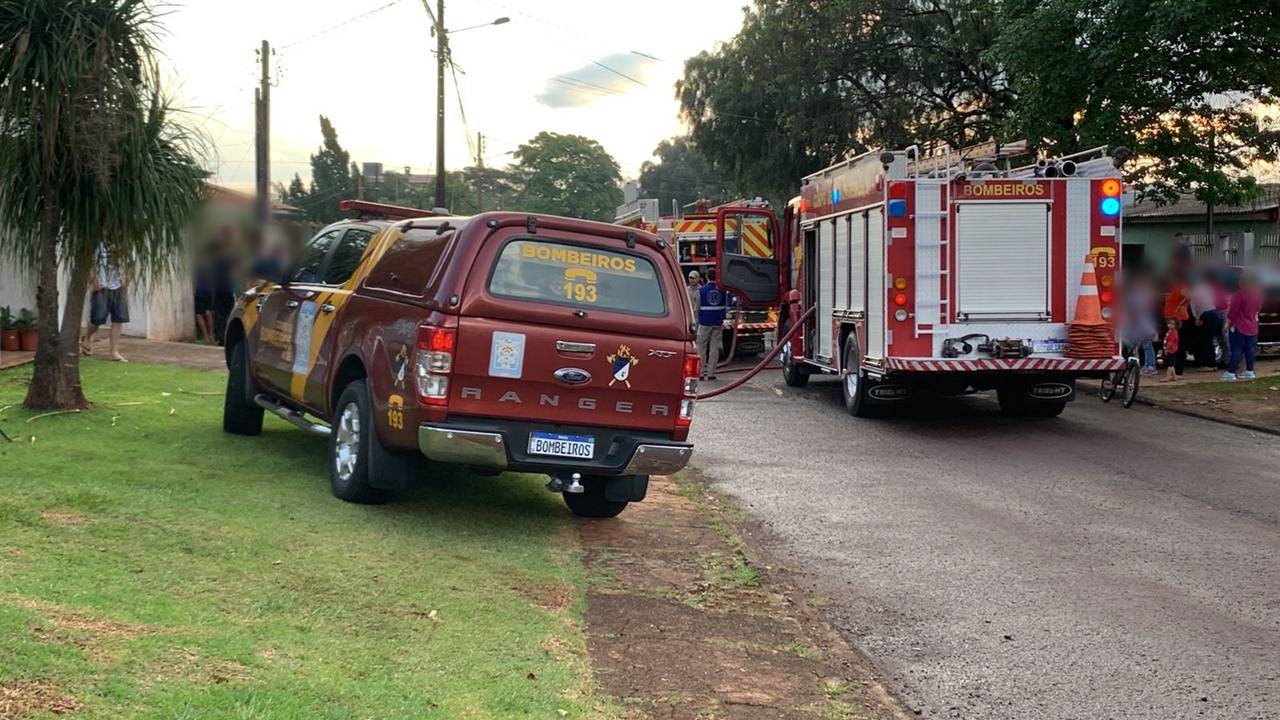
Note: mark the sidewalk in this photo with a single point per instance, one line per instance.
(1251, 404)
(188, 355)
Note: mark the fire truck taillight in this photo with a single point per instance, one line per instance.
(434, 362)
(900, 299)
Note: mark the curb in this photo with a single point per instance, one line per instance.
(1243, 424)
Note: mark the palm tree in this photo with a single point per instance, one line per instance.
(88, 160)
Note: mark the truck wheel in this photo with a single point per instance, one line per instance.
(794, 373)
(352, 446)
(854, 385)
(240, 415)
(592, 503)
(1045, 409)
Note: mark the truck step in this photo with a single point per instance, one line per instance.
(291, 416)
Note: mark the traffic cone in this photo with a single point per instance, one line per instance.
(1088, 334)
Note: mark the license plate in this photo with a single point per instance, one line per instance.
(573, 446)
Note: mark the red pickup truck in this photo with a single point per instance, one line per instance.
(503, 341)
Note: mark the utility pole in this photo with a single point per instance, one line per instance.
(442, 57)
(262, 101)
(480, 175)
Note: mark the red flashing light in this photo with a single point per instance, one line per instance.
(897, 190)
(1111, 187)
(1106, 296)
(900, 299)
(373, 209)
(802, 206)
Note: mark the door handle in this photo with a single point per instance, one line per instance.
(327, 308)
(291, 304)
(575, 347)
(262, 300)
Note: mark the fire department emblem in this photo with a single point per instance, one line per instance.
(401, 366)
(620, 362)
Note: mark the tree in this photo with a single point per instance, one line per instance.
(568, 175)
(296, 192)
(1179, 82)
(681, 174)
(331, 177)
(804, 84)
(88, 161)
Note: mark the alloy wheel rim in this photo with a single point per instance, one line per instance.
(347, 443)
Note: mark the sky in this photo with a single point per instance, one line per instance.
(603, 69)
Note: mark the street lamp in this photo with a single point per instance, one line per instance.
(442, 58)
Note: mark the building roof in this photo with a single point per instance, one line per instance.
(1188, 206)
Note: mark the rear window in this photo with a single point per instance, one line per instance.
(564, 274)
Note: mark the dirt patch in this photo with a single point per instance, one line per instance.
(552, 597)
(681, 624)
(96, 636)
(188, 664)
(24, 698)
(63, 519)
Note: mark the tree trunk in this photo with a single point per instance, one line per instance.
(52, 387)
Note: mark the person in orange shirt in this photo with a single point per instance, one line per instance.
(1176, 304)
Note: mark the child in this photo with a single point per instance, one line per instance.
(1171, 346)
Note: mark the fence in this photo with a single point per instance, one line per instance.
(1236, 248)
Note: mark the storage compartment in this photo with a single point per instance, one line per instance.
(1002, 260)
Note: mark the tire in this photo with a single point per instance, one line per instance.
(1011, 402)
(854, 385)
(794, 374)
(240, 415)
(593, 503)
(1130, 392)
(352, 446)
(1045, 409)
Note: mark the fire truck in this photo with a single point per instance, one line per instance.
(943, 274)
(692, 236)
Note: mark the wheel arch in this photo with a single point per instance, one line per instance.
(349, 370)
(235, 334)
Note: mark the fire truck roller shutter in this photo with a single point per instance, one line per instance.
(826, 286)
(1002, 266)
(875, 285)
(857, 261)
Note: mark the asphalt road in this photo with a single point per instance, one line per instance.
(1110, 563)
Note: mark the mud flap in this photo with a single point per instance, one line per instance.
(1051, 390)
(626, 488)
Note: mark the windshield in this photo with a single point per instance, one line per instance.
(577, 276)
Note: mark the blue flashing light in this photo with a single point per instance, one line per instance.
(1111, 206)
(897, 208)
(835, 196)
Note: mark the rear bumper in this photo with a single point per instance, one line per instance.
(1031, 364)
(502, 444)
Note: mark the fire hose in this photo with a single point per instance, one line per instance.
(777, 348)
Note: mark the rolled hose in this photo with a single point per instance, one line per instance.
(777, 348)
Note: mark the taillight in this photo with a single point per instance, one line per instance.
(435, 361)
(692, 368)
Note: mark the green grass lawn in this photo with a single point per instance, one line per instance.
(153, 567)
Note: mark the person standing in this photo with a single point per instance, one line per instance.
(1138, 327)
(712, 305)
(1242, 317)
(1205, 312)
(694, 290)
(109, 299)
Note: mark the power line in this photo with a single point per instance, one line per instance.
(577, 36)
(344, 23)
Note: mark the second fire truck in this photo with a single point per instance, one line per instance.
(943, 275)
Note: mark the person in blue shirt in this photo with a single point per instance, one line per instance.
(713, 303)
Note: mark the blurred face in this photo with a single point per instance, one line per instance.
(693, 278)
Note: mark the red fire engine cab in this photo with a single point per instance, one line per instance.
(945, 275)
